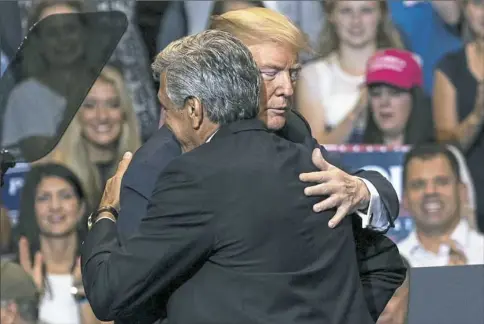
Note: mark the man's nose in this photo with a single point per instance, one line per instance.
(430, 187)
(286, 87)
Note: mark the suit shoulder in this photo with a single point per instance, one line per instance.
(186, 165)
(159, 147)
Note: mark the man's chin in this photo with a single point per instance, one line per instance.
(275, 123)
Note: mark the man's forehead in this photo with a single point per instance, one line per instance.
(430, 166)
(274, 55)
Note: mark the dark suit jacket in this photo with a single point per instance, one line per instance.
(230, 237)
(378, 257)
(140, 178)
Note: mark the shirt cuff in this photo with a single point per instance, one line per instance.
(375, 215)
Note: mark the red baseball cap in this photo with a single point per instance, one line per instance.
(395, 67)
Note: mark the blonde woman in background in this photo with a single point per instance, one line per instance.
(101, 132)
(331, 93)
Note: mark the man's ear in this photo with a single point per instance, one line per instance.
(194, 108)
(405, 202)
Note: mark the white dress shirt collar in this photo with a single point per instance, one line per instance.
(460, 236)
(211, 136)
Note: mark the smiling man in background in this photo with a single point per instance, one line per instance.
(433, 194)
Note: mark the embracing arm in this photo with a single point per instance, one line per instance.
(379, 262)
(173, 238)
(140, 178)
(383, 206)
(380, 265)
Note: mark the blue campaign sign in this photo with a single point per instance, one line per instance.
(387, 161)
(14, 182)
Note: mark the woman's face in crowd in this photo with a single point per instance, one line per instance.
(356, 22)
(61, 38)
(57, 207)
(101, 115)
(391, 108)
(475, 17)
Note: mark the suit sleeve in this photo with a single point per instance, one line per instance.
(140, 179)
(387, 193)
(297, 130)
(174, 237)
(381, 267)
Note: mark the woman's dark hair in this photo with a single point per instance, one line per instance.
(219, 6)
(28, 226)
(420, 125)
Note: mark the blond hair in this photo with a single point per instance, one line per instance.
(72, 149)
(387, 35)
(261, 25)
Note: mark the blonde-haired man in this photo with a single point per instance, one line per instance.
(275, 44)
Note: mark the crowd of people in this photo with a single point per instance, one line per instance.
(390, 73)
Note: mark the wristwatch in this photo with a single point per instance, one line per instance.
(91, 220)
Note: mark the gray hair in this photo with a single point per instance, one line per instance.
(216, 68)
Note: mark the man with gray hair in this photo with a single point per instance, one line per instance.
(229, 236)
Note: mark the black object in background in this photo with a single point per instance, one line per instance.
(447, 295)
(45, 84)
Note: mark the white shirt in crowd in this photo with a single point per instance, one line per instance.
(57, 305)
(470, 242)
(337, 91)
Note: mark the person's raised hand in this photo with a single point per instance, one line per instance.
(113, 185)
(34, 269)
(343, 191)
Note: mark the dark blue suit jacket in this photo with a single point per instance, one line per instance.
(140, 178)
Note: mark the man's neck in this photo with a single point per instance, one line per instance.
(204, 134)
(431, 241)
